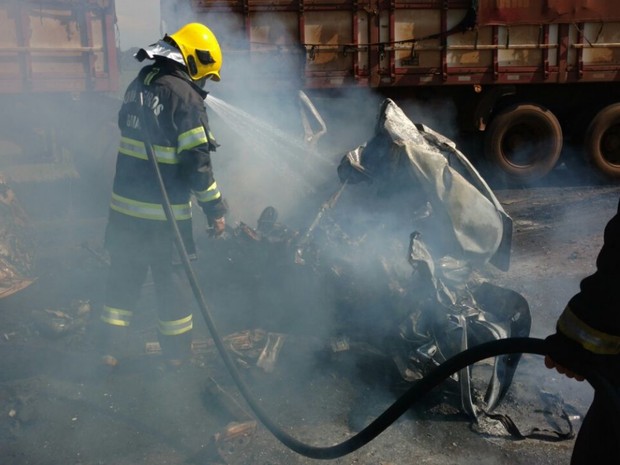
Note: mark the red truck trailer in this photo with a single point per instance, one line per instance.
(59, 76)
(534, 83)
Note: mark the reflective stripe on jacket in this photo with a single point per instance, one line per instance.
(136, 148)
(589, 338)
(148, 211)
(175, 120)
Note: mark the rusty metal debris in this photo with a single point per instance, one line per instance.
(256, 347)
(199, 346)
(16, 243)
(57, 323)
(252, 347)
(269, 355)
(237, 435)
(234, 439)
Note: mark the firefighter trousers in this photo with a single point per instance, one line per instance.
(130, 264)
(598, 440)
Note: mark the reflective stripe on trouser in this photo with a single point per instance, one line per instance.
(131, 257)
(175, 337)
(123, 287)
(176, 327)
(116, 316)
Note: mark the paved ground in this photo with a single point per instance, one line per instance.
(55, 407)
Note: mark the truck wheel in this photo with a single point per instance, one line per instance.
(524, 141)
(602, 141)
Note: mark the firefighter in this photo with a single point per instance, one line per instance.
(588, 336)
(163, 104)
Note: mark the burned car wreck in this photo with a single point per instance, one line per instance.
(400, 252)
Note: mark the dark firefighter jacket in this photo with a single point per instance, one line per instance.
(177, 125)
(591, 320)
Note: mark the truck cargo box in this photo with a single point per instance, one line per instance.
(534, 83)
(331, 43)
(59, 78)
(57, 46)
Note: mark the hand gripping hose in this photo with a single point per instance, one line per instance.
(400, 406)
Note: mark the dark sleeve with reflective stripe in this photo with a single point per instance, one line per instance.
(195, 145)
(598, 302)
(196, 165)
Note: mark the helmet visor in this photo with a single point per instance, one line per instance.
(204, 57)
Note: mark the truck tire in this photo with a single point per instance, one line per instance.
(524, 141)
(602, 141)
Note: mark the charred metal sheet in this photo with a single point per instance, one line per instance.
(404, 156)
(457, 228)
(399, 254)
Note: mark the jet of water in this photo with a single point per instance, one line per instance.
(281, 150)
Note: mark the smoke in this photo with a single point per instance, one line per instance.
(349, 279)
(138, 23)
(438, 114)
(275, 166)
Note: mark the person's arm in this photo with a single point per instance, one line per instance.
(590, 324)
(198, 163)
(195, 144)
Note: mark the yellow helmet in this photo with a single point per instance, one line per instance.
(200, 50)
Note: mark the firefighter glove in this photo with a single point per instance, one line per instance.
(567, 356)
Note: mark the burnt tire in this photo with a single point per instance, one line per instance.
(602, 141)
(524, 142)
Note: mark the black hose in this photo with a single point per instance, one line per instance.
(419, 389)
(400, 406)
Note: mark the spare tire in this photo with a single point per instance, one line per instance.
(524, 141)
(602, 141)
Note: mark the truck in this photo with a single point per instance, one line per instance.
(59, 77)
(534, 85)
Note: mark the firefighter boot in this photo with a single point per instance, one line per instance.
(111, 344)
(176, 349)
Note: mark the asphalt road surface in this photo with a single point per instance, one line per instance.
(57, 407)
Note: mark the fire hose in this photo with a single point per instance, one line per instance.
(421, 387)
